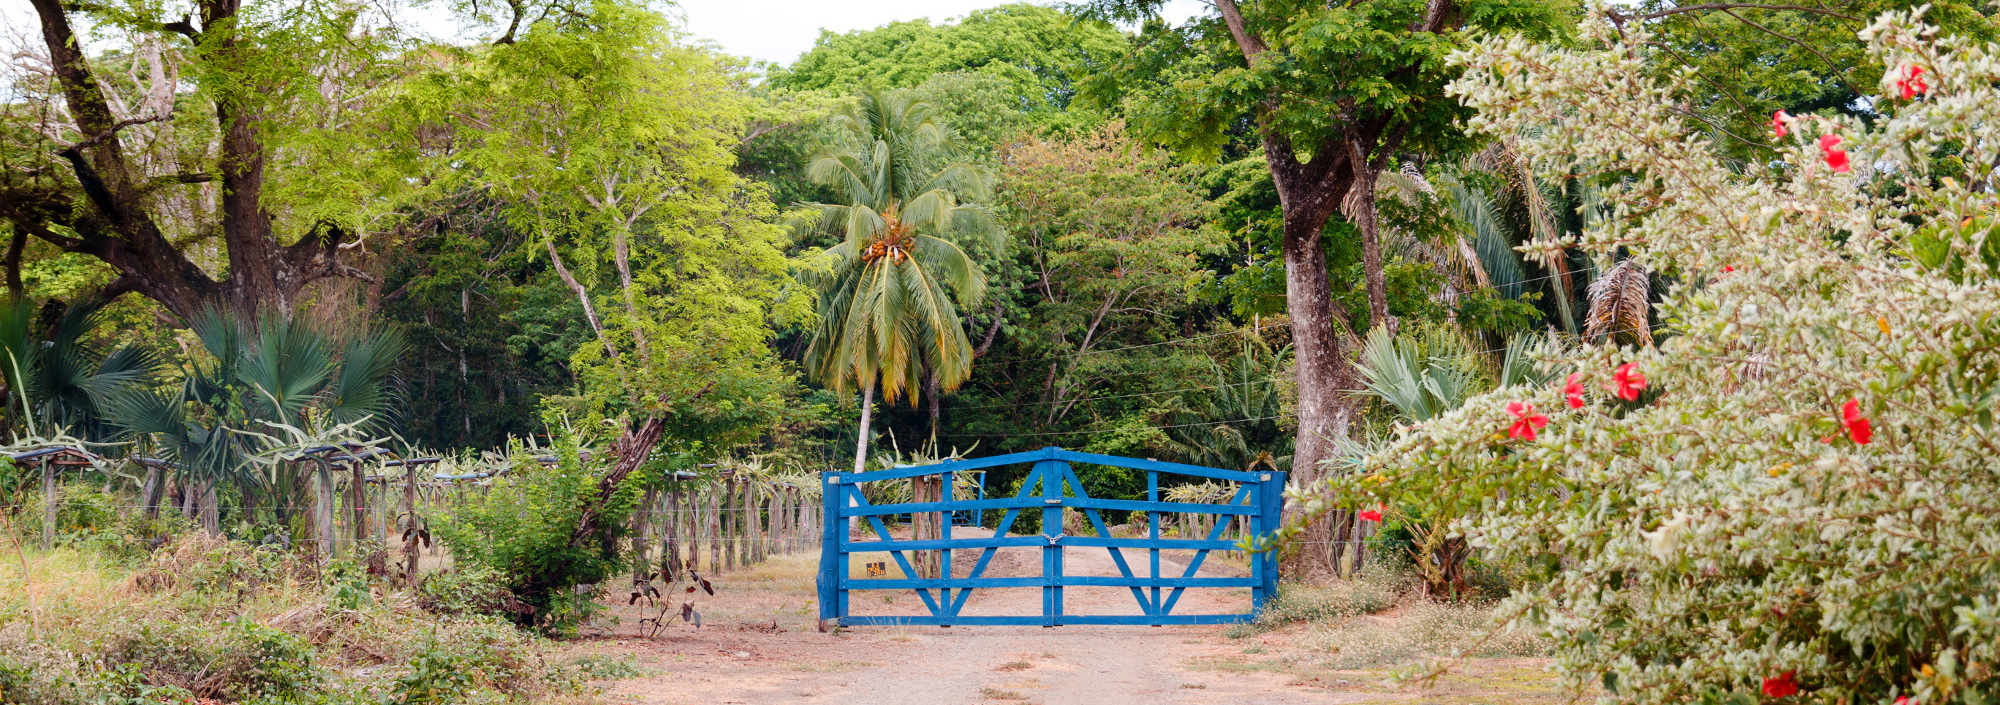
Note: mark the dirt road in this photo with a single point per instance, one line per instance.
(760, 645)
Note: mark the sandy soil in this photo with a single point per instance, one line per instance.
(760, 644)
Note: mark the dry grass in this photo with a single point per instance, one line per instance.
(208, 618)
(1417, 630)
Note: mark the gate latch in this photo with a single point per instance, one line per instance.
(1053, 538)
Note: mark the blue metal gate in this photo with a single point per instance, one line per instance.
(1053, 487)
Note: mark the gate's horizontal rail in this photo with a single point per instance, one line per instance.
(1047, 454)
(1034, 540)
(1042, 581)
(1038, 502)
(1058, 620)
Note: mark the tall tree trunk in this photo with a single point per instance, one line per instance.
(714, 529)
(753, 540)
(641, 543)
(211, 515)
(1323, 372)
(1360, 208)
(670, 543)
(118, 227)
(861, 441)
(357, 493)
(149, 493)
(15, 290)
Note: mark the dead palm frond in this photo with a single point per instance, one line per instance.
(1619, 304)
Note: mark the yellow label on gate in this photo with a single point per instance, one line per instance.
(878, 569)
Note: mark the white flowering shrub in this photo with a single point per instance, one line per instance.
(1796, 496)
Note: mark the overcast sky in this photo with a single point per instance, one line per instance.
(781, 30)
(766, 30)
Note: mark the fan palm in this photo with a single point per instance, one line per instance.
(256, 379)
(1423, 380)
(1239, 426)
(62, 379)
(890, 290)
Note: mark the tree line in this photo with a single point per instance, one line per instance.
(1078, 226)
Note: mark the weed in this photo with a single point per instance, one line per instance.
(998, 694)
(1195, 686)
(1254, 650)
(606, 668)
(831, 666)
(1014, 666)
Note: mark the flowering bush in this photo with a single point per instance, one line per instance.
(1804, 505)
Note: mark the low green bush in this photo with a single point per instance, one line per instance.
(524, 528)
(468, 589)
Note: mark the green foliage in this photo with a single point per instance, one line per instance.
(890, 292)
(347, 584)
(525, 528)
(673, 259)
(1484, 311)
(1423, 376)
(1192, 88)
(1753, 61)
(62, 373)
(83, 514)
(1037, 54)
(1242, 423)
(467, 589)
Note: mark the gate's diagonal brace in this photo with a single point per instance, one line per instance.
(1215, 534)
(901, 560)
(1103, 530)
(986, 555)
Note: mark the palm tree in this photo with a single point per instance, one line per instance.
(259, 380)
(890, 290)
(889, 298)
(62, 379)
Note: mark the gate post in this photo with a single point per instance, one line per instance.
(830, 537)
(1270, 512)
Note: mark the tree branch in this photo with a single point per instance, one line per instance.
(112, 130)
(991, 331)
(1620, 17)
(1249, 42)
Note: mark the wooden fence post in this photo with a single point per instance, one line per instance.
(669, 546)
(753, 548)
(714, 525)
(357, 493)
(640, 541)
(48, 504)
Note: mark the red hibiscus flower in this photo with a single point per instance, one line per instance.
(1905, 700)
(1726, 269)
(1779, 124)
(1912, 81)
(1373, 514)
(1628, 381)
(1829, 146)
(1857, 425)
(1525, 420)
(1782, 686)
(1573, 391)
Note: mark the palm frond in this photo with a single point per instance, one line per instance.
(1620, 305)
(360, 390)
